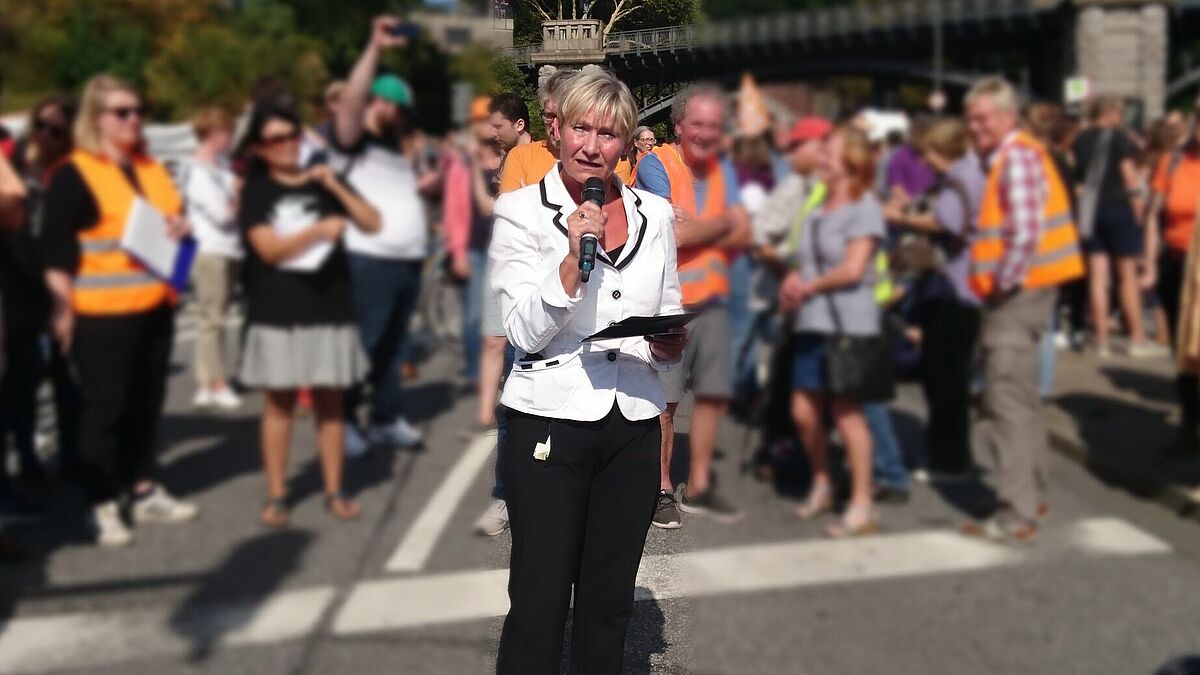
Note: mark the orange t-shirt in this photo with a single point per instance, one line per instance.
(525, 165)
(1180, 201)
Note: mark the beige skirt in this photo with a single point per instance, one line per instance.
(302, 357)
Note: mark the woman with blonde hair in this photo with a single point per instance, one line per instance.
(110, 313)
(833, 293)
(581, 463)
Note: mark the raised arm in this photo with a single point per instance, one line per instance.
(348, 124)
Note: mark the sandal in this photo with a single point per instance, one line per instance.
(818, 501)
(274, 512)
(341, 506)
(857, 521)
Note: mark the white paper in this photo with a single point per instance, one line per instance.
(294, 214)
(146, 239)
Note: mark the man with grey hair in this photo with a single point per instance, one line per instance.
(1024, 246)
(711, 224)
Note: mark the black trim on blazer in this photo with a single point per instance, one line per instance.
(603, 257)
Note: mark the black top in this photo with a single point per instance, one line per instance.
(1120, 148)
(481, 223)
(69, 209)
(284, 298)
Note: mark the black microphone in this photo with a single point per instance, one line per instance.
(593, 191)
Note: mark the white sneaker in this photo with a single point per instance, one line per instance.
(160, 507)
(399, 433)
(1147, 350)
(356, 446)
(226, 399)
(493, 521)
(203, 398)
(110, 529)
(1061, 341)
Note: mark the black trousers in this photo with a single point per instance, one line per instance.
(949, 329)
(122, 366)
(578, 518)
(1170, 292)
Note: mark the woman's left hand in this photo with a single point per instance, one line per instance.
(668, 346)
(178, 227)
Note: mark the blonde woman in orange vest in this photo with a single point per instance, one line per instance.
(1025, 245)
(112, 316)
(702, 187)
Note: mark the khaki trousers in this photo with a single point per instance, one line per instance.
(213, 278)
(1012, 406)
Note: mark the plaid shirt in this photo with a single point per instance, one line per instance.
(1023, 194)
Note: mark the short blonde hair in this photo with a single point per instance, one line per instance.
(209, 119)
(91, 106)
(947, 137)
(600, 92)
(999, 90)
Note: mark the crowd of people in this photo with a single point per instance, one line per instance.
(825, 260)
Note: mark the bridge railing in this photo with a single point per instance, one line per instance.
(831, 23)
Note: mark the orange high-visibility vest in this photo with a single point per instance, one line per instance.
(109, 280)
(1057, 258)
(703, 270)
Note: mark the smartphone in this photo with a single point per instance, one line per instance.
(407, 30)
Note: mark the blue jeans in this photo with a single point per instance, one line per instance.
(502, 431)
(472, 304)
(742, 323)
(887, 459)
(384, 294)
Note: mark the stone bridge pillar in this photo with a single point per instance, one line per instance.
(573, 43)
(1121, 45)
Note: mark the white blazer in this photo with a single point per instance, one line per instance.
(555, 375)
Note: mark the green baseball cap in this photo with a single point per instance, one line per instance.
(394, 89)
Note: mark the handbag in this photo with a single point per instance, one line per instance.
(861, 367)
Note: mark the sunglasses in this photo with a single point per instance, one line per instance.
(648, 140)
(549, 117)
(280, 139)
(126, 111)
(50, 129)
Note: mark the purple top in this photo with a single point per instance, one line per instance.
(952, 214)
(907, 170)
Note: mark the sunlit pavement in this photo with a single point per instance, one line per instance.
(1110, 587)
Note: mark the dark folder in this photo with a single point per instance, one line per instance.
(637, 326)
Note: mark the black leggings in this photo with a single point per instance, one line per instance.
(1170, 290)
(579, 518)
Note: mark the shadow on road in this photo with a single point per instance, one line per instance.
(241, 584)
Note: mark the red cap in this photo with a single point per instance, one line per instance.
(810, 129)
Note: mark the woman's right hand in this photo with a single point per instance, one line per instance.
(587, 219)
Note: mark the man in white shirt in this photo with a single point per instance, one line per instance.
(370, 127)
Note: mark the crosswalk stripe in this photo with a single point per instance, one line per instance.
(60, 642)
(45, 643)
(414, 550)
(391, 604)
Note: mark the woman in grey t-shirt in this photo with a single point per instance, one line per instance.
(833, 291)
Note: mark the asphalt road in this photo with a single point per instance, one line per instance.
(1111, 587)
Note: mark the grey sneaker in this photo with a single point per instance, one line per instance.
(494, 521)
(710, 504)
(111, 531)
(666, 512)
(158, 506)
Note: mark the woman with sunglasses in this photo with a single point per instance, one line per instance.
(114, 318)
(300, 327)
(35, 156)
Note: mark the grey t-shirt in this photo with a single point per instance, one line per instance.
(856, 306)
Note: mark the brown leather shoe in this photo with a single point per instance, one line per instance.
(1002, 529)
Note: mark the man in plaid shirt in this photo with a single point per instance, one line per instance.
(1015, 316)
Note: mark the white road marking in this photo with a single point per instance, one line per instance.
(418, 542)
(392, 604)
(77, 640)
(67, 641)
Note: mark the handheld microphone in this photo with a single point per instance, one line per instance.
(593, 191)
